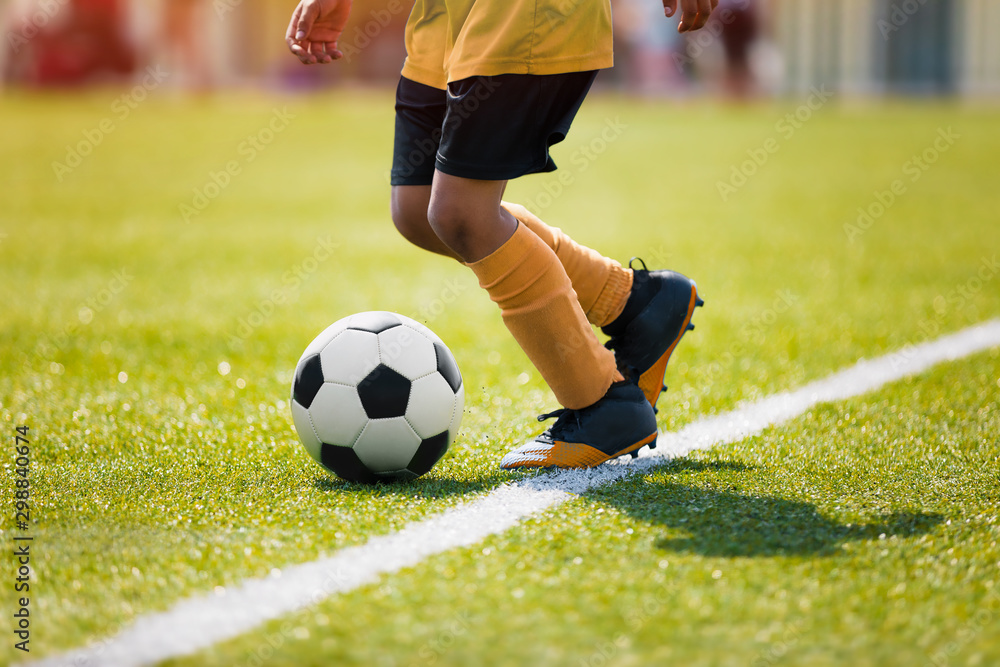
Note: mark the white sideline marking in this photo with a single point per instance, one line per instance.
(199, 622)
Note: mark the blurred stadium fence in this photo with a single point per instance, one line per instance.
(860, 47)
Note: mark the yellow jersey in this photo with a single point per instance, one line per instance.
(450, 40)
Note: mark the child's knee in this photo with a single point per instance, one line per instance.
(448, 217)
(406, 223)
(410, 220)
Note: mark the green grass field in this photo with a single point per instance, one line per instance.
(150, 349)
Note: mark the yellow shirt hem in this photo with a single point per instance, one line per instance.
(438, 79)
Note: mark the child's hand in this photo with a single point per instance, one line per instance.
(694, 13)
(315, 28)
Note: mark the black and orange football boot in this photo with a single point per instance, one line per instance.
(622, 422)
(656, 316)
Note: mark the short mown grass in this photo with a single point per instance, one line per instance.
(151, 351)
(863, 533)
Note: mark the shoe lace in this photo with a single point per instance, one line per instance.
(640, 260)
(566, 420)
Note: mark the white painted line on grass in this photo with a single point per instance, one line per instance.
(863, 377)
(199, 622)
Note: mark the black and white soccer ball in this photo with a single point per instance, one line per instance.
(377, 397)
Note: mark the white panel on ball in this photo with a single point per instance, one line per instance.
(432, 405)
(387, 444)
(304, 427)
(407, 351)
(350, 357)
(337, 414)
(324, 337)
(417, 326)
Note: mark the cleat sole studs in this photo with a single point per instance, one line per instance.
(690, 327)
(699, 302)
(635, 454)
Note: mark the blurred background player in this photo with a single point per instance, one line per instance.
(646, 47)
(184, 43)
(67, 44)
(738, 21)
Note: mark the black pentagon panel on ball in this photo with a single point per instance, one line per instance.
(384, 393)
(344, 462)
(308, 380)
(428, 453)
(375, 321)
(448, 367)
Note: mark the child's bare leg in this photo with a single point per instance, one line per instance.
(466, 215)
(409, 204)
(602, 285)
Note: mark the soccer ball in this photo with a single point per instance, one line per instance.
(377, 397)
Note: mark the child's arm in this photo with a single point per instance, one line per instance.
(315, 28)
(694, 13)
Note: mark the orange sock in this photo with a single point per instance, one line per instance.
(538, 305)
(602, 285)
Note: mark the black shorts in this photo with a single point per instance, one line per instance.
(491, 128)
